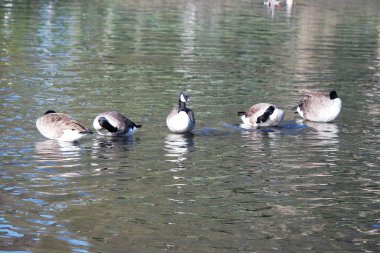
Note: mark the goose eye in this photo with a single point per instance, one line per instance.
(72, 129)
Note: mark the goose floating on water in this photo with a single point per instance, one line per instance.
(262, 114)
(316, 106)
(272, 3)
(181, 119)
(61, 127)
(113, 123)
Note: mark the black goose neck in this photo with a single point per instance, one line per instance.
(181, 106)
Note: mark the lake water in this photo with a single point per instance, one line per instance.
(298, 187)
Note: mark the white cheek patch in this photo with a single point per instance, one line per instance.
(300, 112)
(96, 124)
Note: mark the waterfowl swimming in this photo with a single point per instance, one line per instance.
(272, 3)
(316, 106)
(113, 123)
(262, 114)
(61, 127)
(181, 119)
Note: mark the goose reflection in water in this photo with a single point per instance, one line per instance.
(110, 153)
(326, 134)
(56, 160)
(177, 145)
(112, 147)
(289, 6)
(52, 150)
(261, 139)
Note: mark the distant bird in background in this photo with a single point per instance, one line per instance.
(272, 3)
(181, 119)
(262, 114)
(316, 106)
(61, 127)
(113, 123)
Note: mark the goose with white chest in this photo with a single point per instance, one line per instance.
(181, 119)
(112, 123)
(318, 107)
(262, 115)
(61, 127)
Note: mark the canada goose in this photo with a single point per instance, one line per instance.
(262, 114)
(61, 127)
(316, 106)
(114, 124)
(272, 3)
(181, 119)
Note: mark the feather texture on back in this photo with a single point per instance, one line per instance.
(60, 126)
(262, 114)
(316, 106)
(112, 123)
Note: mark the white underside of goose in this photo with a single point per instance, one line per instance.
(70, 135)
(179, 123)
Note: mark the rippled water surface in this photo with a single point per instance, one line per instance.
(298, 187)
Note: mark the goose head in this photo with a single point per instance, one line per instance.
(333, 95)
(49, 111)
(184, 98)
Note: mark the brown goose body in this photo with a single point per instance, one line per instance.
(61, 127)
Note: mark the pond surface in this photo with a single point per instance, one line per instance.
(298, 187)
